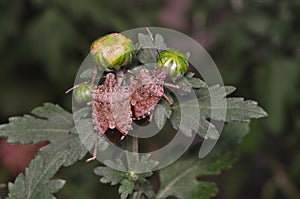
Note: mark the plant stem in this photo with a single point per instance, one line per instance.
(136, 195)
(131, 145)
(135, 144)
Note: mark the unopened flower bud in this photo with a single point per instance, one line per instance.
(112, 51)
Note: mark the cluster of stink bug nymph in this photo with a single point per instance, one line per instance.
(126, 95)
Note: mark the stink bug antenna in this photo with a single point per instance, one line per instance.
(152, 39)
(92, 81)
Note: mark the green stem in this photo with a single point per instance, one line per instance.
(136, 195)
(133, 147)
(135, 144)
(130, 144)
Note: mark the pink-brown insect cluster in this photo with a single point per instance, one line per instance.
(115, 106)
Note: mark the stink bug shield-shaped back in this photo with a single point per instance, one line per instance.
(147, 89)
(110, 109)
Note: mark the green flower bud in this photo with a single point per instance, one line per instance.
(83, 93)
(176, 61)
(112, 51)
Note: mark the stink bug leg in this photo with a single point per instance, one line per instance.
(171, 85)
(74, 87)
(168, 99)
(95, 150)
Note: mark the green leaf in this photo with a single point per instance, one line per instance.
(126, 179)
(149, 48)
(183, 119)
(109, 175)
(146, 41)
(148, 53)
(36, 182)
(162, 112)
(222, 109)
(160, 42)
(181, 178)
(114, 177)
(188, 82)
(126, 188)
(196, 82)
(187, 118)
(48, 123)
(237, 109)
(143, 164)
(44, 124)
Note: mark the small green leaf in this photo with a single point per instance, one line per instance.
(188, 82)
(148, 52)
(145, 165)
(110, 175)
(160, 42)
(162, 112)
(126, 188)
(147, 55)
(149, 48)
(126, 179)
(196, 82)
(145, 41)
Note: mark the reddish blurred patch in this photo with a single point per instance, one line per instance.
(174, 14)
(16, 157)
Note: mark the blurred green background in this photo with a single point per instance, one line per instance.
(255, 44)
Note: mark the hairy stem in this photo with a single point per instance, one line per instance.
(132, 145)
(135, 144)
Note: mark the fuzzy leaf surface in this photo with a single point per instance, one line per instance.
(127, 179)
(211, 104)
(47, 123)
(181, 178)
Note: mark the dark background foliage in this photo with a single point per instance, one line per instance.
(255, 44)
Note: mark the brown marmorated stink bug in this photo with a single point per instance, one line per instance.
(147, 89)
(111, 109)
